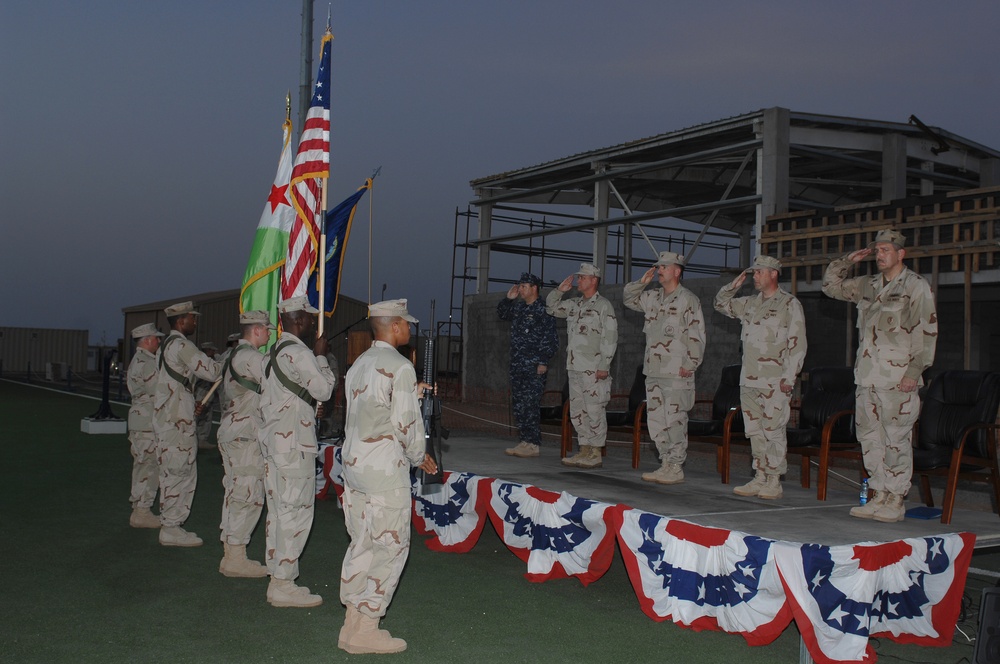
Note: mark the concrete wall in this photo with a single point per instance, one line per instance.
(21, 346)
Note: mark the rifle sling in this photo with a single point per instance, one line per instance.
(287, 382)
(186, 383)
(245, 382)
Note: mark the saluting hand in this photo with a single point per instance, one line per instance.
(512, 292)
(566, 284)
(738, 281)
(859, 255)
(648, 276)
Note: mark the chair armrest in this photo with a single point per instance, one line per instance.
(972, 428)
(832, 422)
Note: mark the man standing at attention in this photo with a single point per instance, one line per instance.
(774, 347)
(295, 379)
(239, 444)
(383, 439)
(591, 341)
(141, 381)
(897, 336)
(675, 344)
(179, 363)
(533, 342)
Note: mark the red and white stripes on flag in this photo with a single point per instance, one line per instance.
(312, 166)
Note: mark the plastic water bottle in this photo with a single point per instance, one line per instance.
(863, 498)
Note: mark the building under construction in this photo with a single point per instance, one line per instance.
(803, 187)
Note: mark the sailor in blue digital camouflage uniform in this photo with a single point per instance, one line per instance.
(533, 342)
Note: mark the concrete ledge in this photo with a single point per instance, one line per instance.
(88, 425)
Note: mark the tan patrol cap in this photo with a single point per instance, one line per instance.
(670, 258)
(391, 308)
(588, 270)
(235, 336)
(761, 262)
(180, 309)
(146, 330)
(297, 303)
(891, 236)
(208, 345)
(255, 317)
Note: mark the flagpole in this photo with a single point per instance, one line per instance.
(321, 281)
(371, 206)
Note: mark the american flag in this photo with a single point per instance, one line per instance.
(312, 166)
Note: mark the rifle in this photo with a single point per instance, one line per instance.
(430, 410)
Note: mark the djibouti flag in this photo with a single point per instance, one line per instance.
(262, 279)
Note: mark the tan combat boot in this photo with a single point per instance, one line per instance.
(771, 489)
(177, 536)
(368, 638)
(522, 450)
(867, 511)
(142, 518)
(574, 460)
(284, 593)
(592, 459)
(891, 510)
(350, 626)
(236, 564)
(667, 473)
(753, 487)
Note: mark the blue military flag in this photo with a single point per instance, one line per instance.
(338, 229)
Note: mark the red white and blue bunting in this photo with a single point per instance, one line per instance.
(708, 578)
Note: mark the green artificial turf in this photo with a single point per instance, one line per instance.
(80, 585)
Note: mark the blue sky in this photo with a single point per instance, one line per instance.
(138, 140)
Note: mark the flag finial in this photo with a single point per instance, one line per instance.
(288, 106)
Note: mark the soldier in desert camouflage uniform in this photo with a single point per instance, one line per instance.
(295, 379)
(179, 364)
(141, 381)
(533, 342)
(203, 421)
(591, 341)
(675, 343)
(774, 347)
(384, 438)
(897, 336)
(239, 445)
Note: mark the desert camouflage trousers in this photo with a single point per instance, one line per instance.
(526, 396)
(290, 492)
(379, 527)
(243, 484)
(203, 426)
(144, 471)
(765, 415)
(667, 410)
(884, 420)
(176, 452)
(588, 399)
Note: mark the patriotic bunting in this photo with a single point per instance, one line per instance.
(704, 578)
(454, 513)
(908, 591)
(557, 534)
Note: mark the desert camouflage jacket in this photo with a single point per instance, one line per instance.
(173, 404)
(288, 421)
(141, 382)
(591, 330)
(773, 336)
(897, 323)
(384, 433)
(241, 405)
(674, 327)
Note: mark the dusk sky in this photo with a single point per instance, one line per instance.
(139, 139)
